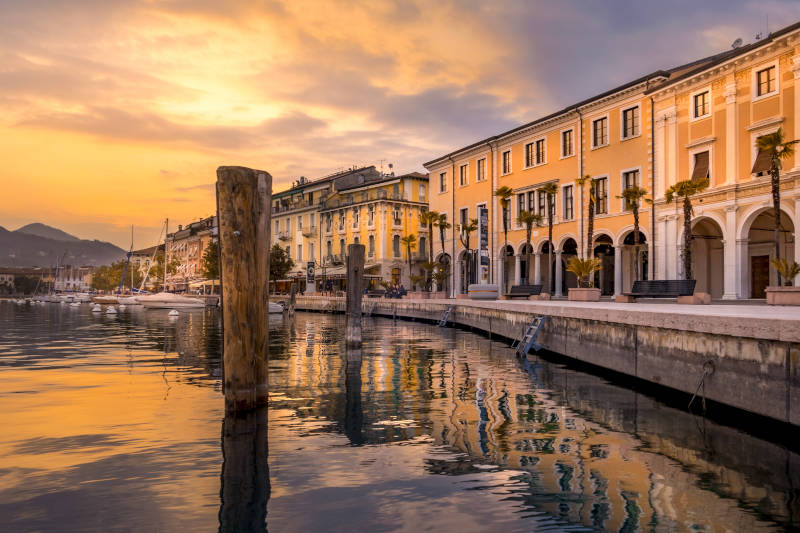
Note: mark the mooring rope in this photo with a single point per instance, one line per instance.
(708, 369)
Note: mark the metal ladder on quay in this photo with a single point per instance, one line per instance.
(528, 339)
(370, 308)
(445, 317)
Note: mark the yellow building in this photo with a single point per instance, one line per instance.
(707, 124)
(708, 116)
(187, 245)
(316, 220)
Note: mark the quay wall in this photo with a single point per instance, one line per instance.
(749, 363)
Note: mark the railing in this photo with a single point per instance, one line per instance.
(419, 256)
(309, 231)
(334, 259)
(284, 235)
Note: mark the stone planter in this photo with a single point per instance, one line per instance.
(484, 291)
(584, 295)
(783, 295)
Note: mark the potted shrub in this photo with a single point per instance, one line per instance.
(787, 294)
(417, 280)
(584, 270)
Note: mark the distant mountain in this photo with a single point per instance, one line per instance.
(30, 246)
(48, 232)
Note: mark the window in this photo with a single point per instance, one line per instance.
(396, 190)
(520, 203)
(463, 216)
(529, 155)
(701, 166)
(312, 219)
(600, 132)
(329, 247)
(542, 203)
(568, 203)
(481, 170)
(300, 222)
(601, 196)
(328, 222)
(311, 201)
(312, 257)
(762, 163)
(566, 143)
(423, 248)
(299, 252)
(356, 240)
(371, 215)
(507, 162)
(396, 246)
(765, 81)
(356, 216)
(700, 105)
(277, 226)
(443, 182)
(341, 220)
(629, 179)
(462, 175)
(397, 216)
(532, 201)
(341, 247)
(422, 193)
(630, 122)
(372, 245)
(540, 152)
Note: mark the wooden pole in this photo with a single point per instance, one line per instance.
(355, 290)
(354, 411)
(292, 299)
(244, 198)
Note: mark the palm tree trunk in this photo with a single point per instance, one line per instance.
(776, 205)
(505, 245)
(590, 231)
(687, 238)
(550, 281)
(636, 240)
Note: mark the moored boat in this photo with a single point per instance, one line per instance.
(168, 300)
(111, 300)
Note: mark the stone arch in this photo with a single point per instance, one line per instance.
(507, 267)
(708, 255)
(758, 248)
(753, 213)
(563, 239)
(602, 232)
(604, 250)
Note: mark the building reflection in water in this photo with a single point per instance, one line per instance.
(589, 452)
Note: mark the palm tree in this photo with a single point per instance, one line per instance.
(778, 149)
(590, 215)
(528, 219)
(410, 241)
(632, 196)
(443, 225)
(504, 193)
(584, 269)
(463, 235)
(685, 190)
(550, 190)
(429, 218)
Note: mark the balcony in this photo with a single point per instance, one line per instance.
(309, 231)
(419, 256)
(334, 259)
(285, 235)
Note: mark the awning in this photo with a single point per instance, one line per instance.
(763, 162)
(205, 283)
(700, 166)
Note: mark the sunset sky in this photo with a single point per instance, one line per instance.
(116, 113)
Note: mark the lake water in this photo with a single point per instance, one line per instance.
(116, 423)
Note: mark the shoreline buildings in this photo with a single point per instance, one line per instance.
(315, 220)
(696, 120)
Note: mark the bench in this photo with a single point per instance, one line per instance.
(376, 293)
(524, 291)
(682, 289)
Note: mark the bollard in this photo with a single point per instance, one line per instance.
(355, 290)
(243, 205)
(292, 299)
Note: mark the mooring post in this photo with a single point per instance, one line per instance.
(355, 290)
(292, 301)
(243, 204)
(353, 411)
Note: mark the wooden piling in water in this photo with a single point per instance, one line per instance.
(292, 299)
(355, 290)
(243, 205)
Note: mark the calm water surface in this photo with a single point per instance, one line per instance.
(117, 424)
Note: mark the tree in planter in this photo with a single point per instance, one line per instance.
(550, 190)
(633, 196)
(441, 274)
(778, 150)
(528, 219)
(429, 218)
(464, 231)
(428, 267)
(504, 193)
(787, 270)
(590, 214)
(410, 242)
(684, 190)
(584, 270)
(443, 225)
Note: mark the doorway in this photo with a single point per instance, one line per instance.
(759, 275)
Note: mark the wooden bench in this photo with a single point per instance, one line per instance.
(376, 293)
(524, 291)
(682, 289)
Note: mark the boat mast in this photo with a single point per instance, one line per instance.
(166, 250)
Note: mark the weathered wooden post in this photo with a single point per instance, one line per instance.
(354, 411)
(355, 290)
(243, 204)
(292, 299)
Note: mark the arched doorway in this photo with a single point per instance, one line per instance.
(604, 250)
(629, 253)
(761, 248)
(568, 249)
(526, 264)
(508, 267)
(708, 257)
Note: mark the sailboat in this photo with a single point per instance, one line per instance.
(128, 300)
(168, 300)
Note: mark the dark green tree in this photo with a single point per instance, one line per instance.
(279, 263)
(210, 261)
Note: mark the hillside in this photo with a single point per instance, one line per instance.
(28, 249)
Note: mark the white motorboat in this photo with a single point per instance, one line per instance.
(275, 308)
(168, 300)
(129, 300)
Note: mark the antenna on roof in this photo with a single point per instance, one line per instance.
(737, 43)
(758, 36)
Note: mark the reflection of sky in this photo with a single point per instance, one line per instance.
(116, 421)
